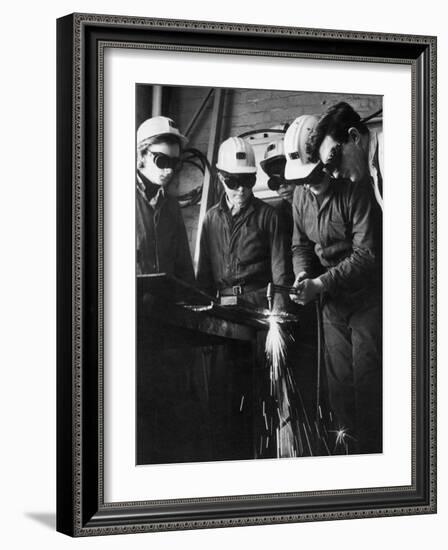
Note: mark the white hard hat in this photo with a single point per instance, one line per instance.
(236, 156)
(159, 126)
(298, 165)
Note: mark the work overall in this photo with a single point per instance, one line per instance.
(343, 230)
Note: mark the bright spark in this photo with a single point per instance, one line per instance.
(199, 308)
(284, 415)
(241, 403)
(275, 346)
(276, 351)
(341, 434)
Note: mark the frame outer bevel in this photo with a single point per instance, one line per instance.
(76, 499)
(65, 494)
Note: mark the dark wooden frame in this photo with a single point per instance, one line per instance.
(81, 38)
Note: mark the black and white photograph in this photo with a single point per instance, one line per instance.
(223, 286)
(258, 264)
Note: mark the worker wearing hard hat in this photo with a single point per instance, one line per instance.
(301, 354)
(344, 147)
(273, 165)
(242, 249)
(242, 245)
(162, 244)
(339, 222)
(169, 413)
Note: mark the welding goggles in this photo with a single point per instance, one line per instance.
(163, 161)
(233, 181)
(274, 167)
(275, 182)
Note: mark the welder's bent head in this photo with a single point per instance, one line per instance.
(236, 156)
(340, 141)
(298, 165)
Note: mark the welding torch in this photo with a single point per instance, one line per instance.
(272, 289)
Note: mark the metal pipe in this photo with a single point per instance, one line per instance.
(270, 295)
(376, 113)
(272, 289)
(156, 100)
(262, 131)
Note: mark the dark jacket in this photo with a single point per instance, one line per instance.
(284, 211)
(344, 232)
(247, 250)
(161, 238)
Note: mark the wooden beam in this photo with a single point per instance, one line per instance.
(198, 112)
(207, 196)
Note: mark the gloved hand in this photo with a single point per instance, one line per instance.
(300, 277)
(307, 289)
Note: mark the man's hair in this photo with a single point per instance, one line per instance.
(143, 146)
(335, 122)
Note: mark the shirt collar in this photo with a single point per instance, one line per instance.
(225, 207)
(149, 189)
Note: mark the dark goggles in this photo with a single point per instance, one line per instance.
(163, 161)
(233, 181)
(275, 182)
(275, 167)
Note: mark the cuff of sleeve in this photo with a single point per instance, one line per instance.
(328, 283)
(281, 302)
(299, 267)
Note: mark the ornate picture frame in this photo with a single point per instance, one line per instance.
(81, 506)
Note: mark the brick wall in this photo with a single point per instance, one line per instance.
(256, 109)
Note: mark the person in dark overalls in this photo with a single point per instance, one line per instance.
(161, 238)
(171, 410)
(243, 249)
(337, 219)
(302, 349)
